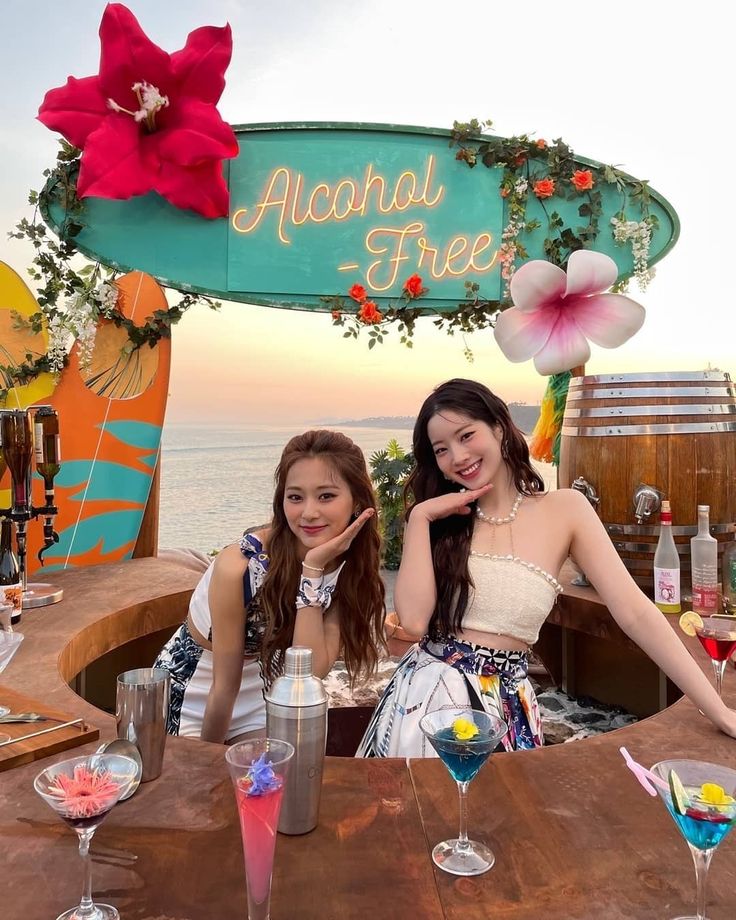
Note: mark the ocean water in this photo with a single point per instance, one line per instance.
(218, 481)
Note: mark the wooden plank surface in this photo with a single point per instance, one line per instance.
(173, 850)
(30, 749)
(575, 835)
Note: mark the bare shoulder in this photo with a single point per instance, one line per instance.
(560, 501)
(230, 563)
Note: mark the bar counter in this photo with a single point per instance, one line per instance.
(575, 836)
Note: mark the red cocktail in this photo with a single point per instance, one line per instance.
(717, 635)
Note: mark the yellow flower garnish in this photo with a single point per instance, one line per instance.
(464, 729)
(713, 794)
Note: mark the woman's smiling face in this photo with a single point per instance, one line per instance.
(318, 502)
(467, 451)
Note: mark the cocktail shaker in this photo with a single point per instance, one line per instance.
(296, 711)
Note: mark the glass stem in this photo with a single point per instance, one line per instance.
(719, 667)
(702, 859)
(462, 841)
(86, 906)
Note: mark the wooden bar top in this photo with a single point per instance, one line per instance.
(575, 836)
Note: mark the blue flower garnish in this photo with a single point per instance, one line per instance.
(261, 776)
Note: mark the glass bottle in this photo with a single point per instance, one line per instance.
(666, 566)
(17, 438)
(729, 576)
(704, 561)
(48, 448)
(3, 464)
(11, 591)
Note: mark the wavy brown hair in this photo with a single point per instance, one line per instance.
(360, 592)
(450, 537)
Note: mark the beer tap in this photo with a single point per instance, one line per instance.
(17, 440)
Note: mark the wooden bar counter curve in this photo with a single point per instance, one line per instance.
(575, 836)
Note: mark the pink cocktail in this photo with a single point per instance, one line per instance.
(717, 635)
(258, 770)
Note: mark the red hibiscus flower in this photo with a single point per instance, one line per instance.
(413, 286)
(148, 121)
(582, 179)
(358, 293)
(544, 188)
(369, 313)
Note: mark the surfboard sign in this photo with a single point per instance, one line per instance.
(316, 207)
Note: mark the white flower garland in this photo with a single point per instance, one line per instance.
(639, 233)
(79, 322)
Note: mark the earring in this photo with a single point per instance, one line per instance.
(356, 515)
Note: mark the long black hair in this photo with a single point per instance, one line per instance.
(450, 537)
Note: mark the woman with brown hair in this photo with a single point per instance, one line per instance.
(310, 579)
(483, 547)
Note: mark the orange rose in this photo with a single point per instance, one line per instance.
(541, 143)
(544, 188)
(582, 179)
(413, 286)
(504, 193)
(358, 293)
(369, 313)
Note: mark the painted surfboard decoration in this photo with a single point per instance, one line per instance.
(316, 207)
(111, 416)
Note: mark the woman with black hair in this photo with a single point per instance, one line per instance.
(483, 547)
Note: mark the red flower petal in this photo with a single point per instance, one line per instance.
(114, 164)
(194, 134)
(199, 68)
(75, 109)
(201, 188)
(128, 56)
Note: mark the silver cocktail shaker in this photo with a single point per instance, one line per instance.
(296, 711)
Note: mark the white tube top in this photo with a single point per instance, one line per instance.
(511, 597)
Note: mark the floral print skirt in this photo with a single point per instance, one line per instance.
(451, 672)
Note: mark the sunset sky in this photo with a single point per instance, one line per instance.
(618, 83)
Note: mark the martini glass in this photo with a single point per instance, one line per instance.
(82, 791)
(258, 769)
(463, 756)
(717, 635)
(701, 821)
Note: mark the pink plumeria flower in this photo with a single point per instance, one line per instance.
(554, 313)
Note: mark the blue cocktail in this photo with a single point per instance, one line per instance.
(701, 797)
(464, 739)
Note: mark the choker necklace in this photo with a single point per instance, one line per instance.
(504, 520)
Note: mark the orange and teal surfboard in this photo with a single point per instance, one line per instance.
(110, 415)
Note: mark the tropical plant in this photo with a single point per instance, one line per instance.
(389, 470)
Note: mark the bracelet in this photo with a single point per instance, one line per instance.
(314, 568)
(313, 592)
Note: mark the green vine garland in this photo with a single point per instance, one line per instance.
(63, 285)
(527, 165)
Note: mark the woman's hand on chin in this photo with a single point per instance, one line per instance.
(321, 556)
(434, 509)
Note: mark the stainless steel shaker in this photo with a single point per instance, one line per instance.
(296, 711)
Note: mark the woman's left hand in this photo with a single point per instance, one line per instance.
(320, 556)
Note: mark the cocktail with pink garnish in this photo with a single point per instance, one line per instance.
(82, 791)
(258, 770)
(701, 798)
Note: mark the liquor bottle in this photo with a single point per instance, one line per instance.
(296, 711)
(729, 576)
(11, 591)
(3, 464)
(666, 566)
(704, 561)
(17, 437)
(48, 450)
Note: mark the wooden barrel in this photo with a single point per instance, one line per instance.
(675, 431)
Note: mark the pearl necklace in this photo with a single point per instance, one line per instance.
(503, 520)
